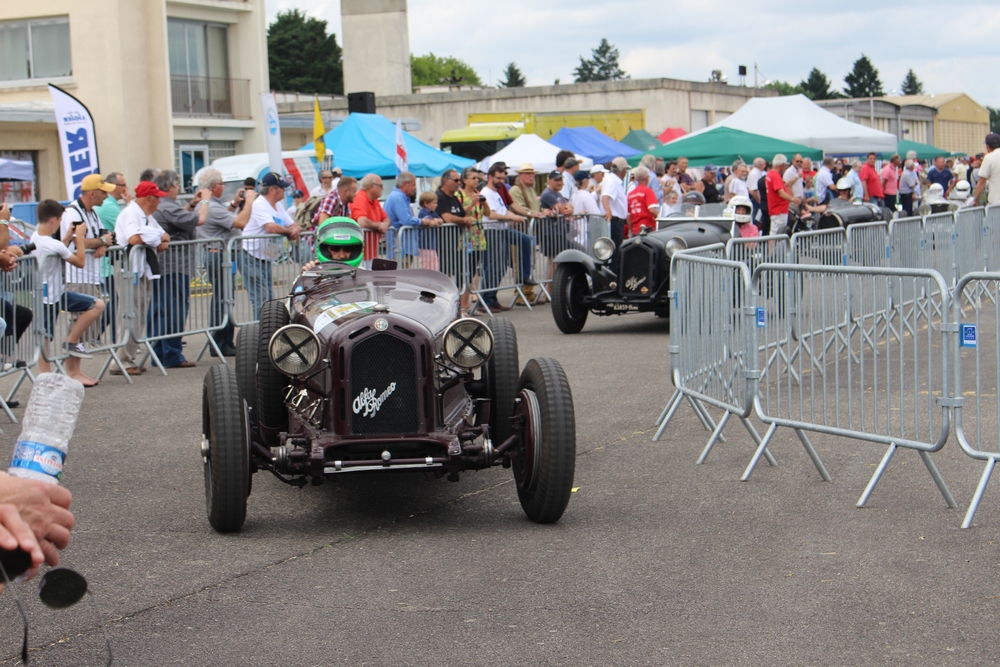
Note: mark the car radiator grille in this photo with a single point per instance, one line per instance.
(383, 387)
(636, 271)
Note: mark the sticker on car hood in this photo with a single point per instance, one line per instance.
(334, 313)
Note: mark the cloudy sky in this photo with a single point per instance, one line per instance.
(952, 47)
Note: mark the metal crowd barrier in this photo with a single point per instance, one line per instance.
(19, 342)
(260, 267)
(712, 324)
(183, 301)
(446, 249)
(110, 279)
(552, 236)
(977, 403)
(874, 372)
(506, 263)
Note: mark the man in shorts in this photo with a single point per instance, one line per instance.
(55, 296)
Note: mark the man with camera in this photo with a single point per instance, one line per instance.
(87, 279)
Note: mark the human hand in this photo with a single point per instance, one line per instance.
(15, 250)
(4, 211)
(309, 266)
(15, 533)
(293, 232)
(45, 508)
(100, 251)
(7, 261)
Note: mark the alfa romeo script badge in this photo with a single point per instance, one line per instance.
(381, 324)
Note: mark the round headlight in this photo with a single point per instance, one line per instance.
(604, 248)
(294, 350)
(674, 244)
(468, 343)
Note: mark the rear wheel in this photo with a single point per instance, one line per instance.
(501, 377)
(271, 410)
(545, 459)
(569, 288)
(225, 450)
(246, 368)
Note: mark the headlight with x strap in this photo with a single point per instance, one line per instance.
(468, 343)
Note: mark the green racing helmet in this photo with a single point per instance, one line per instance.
(335, 235)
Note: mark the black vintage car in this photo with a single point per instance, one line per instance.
(374, 372)
(584, 284)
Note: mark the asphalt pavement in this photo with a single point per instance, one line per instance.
(657, 561)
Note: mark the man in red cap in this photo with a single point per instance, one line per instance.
(137, 227)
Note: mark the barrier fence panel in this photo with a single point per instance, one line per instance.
(711, 331)
(506, 263)
(939, 246)
(551, 237)
(448, 249)
(906, 237)
(969, 230)
(868, 244)
(977, 374)
(183, 301)
(827, 247)
(108, 279)
(884, 384)
(20, 340)
(991, 238)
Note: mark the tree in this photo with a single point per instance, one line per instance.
(302, 57)
(602, 66)
(817, 86)
(994, 119)
(432, 70)
(514, 77)
(783, 88)
(912, 85)
(863, 80)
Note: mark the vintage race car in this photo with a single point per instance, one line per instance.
(374, 372)
(583, 284)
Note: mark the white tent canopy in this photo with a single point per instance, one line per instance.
(798, 119)
(530, 148)
(17, 170)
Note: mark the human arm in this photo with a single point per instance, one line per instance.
(44, 508)
(79, 258)
(398, 210)
(243, 217)
(606, 201)
(4, 231)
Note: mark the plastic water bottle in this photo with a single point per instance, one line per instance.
(48, 425)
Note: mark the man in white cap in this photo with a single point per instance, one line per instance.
(596, 179)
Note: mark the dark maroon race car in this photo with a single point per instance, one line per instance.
(374, 372)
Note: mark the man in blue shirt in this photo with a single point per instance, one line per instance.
(397, 208)
(940, 174)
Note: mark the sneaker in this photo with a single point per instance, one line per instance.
(77, 350)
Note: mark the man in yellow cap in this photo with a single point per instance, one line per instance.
(83, 211)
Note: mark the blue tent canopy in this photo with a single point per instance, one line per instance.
(590, 142)
(366, 144)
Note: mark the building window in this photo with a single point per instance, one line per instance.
(699, 120)
(37, 49)
(198, 49)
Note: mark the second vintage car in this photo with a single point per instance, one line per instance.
(586, 283)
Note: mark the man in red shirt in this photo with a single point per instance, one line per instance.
(642, 204)
(778, 197)
(872, 182)
(368, 213)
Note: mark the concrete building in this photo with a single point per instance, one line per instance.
(960, 125)
(667, 103)
(168, 82)
(913, 122)
(376, 51)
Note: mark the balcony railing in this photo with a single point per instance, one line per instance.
(210, 97)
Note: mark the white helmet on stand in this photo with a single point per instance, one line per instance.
(741, 217)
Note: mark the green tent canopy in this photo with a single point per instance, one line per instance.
(924, 151)
(641, 140)
(724, 145)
